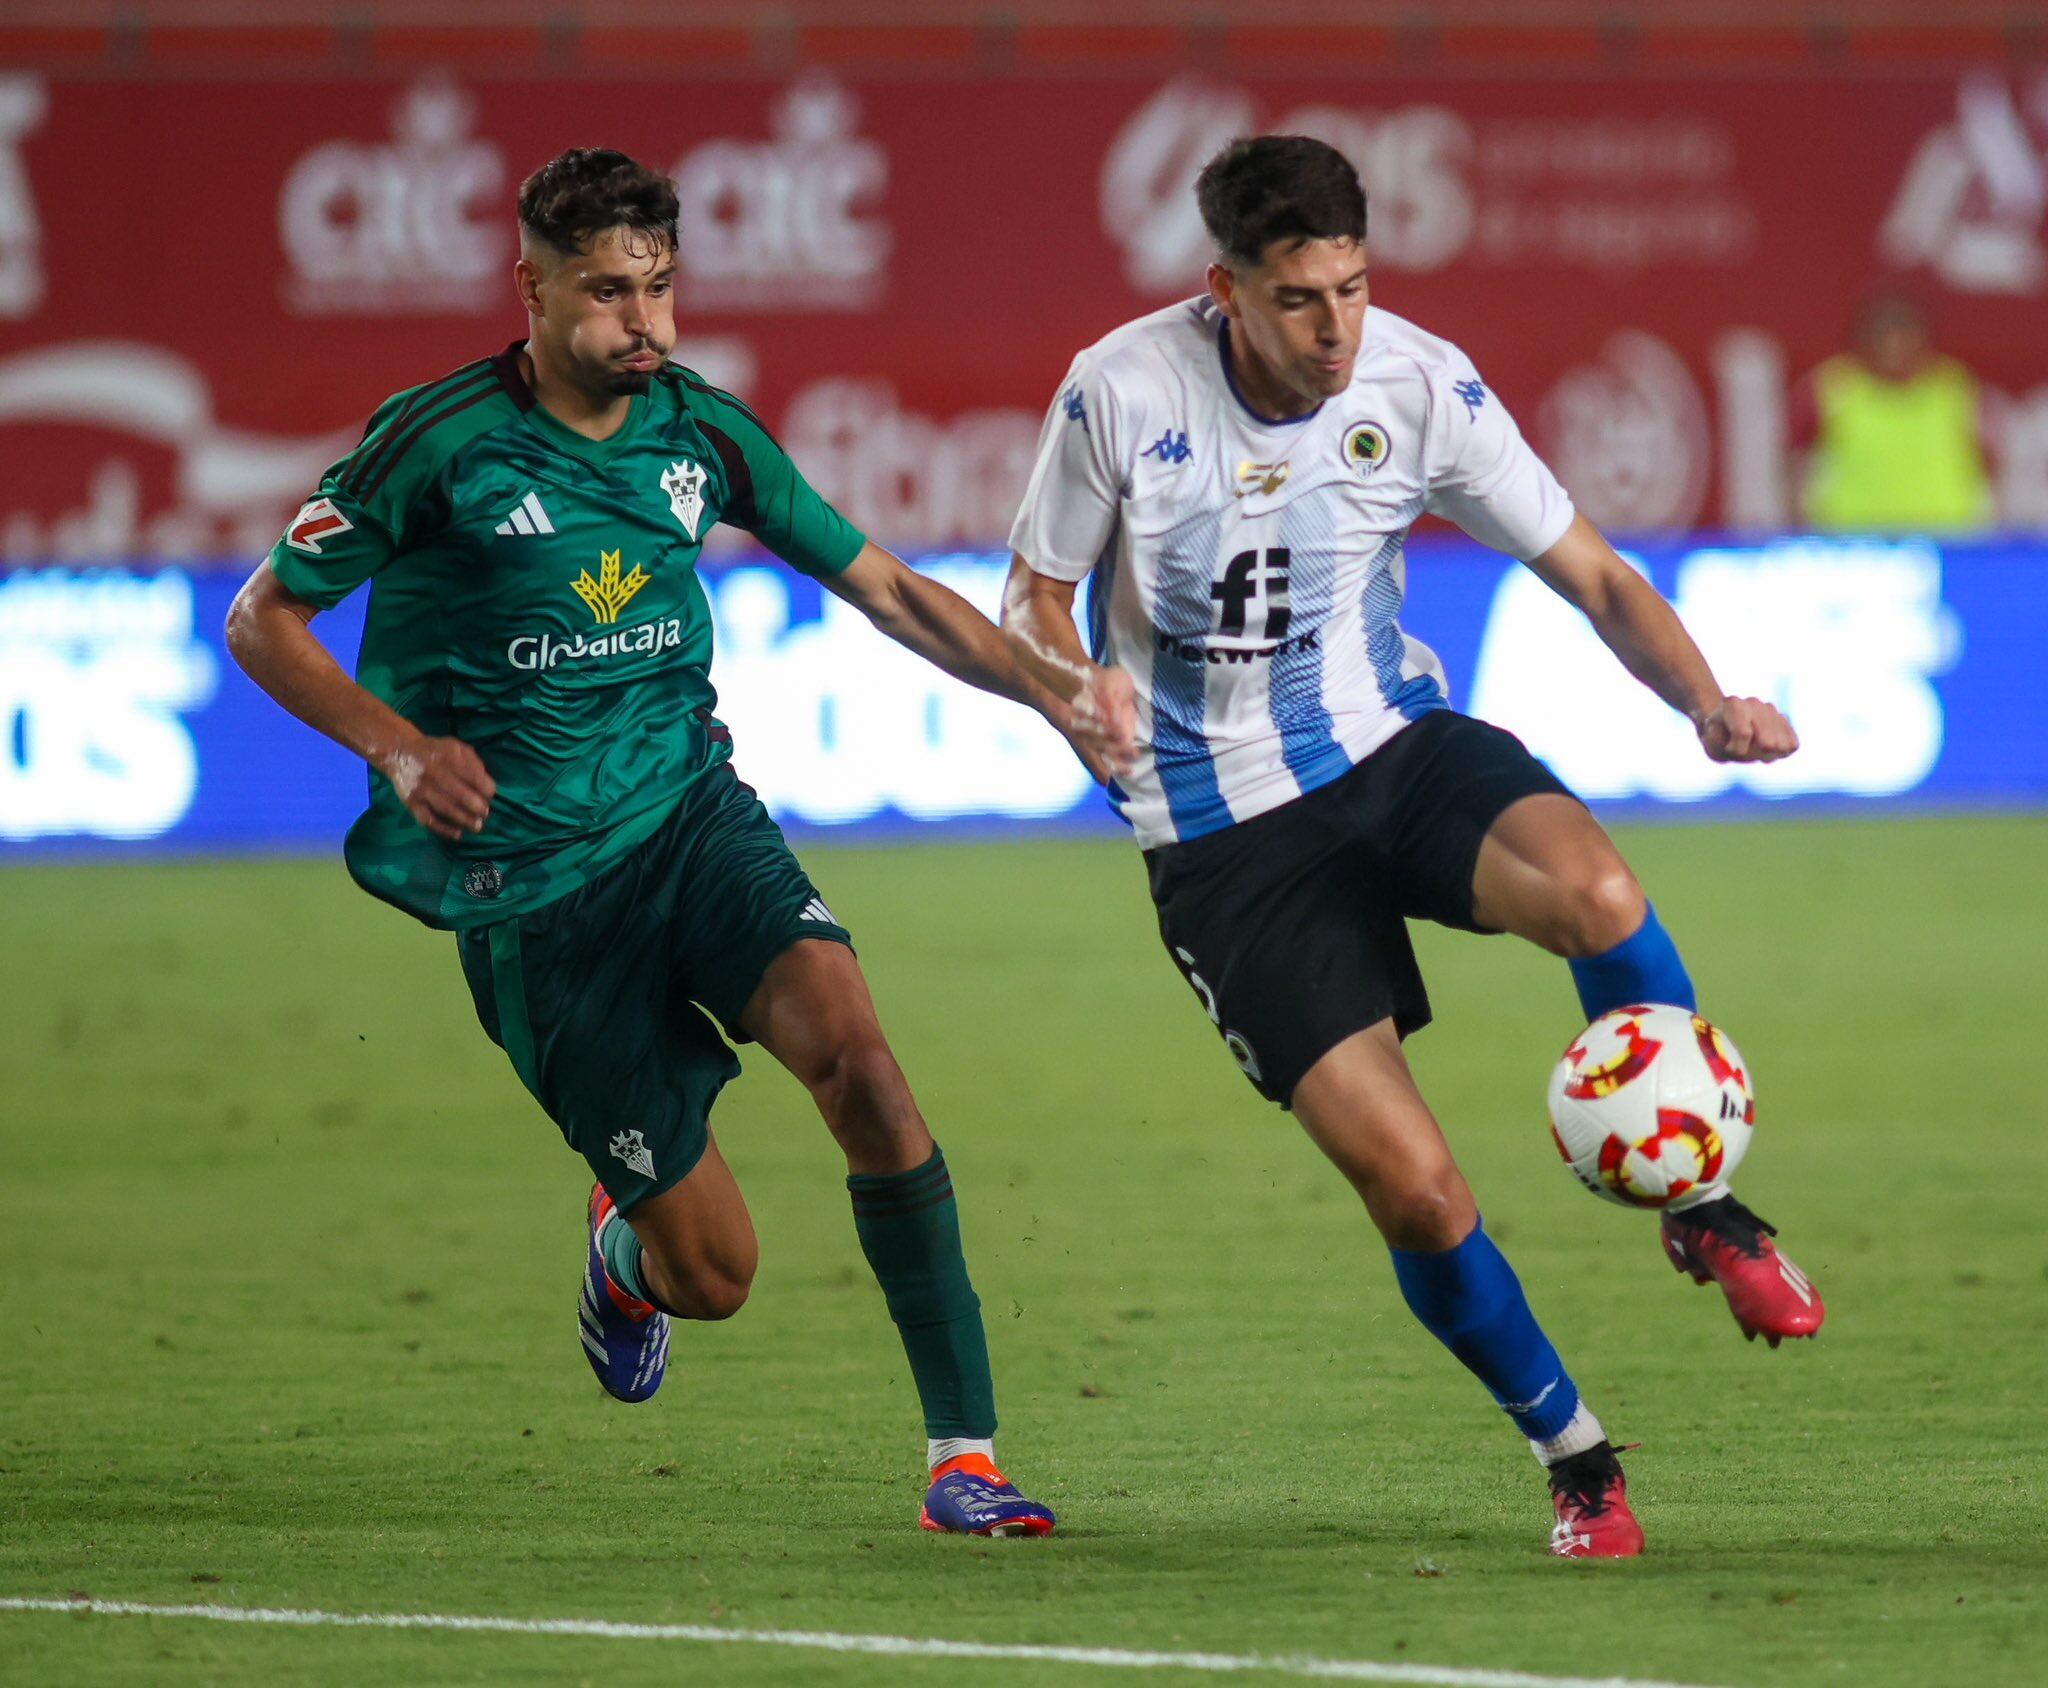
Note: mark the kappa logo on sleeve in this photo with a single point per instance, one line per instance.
(317, 520)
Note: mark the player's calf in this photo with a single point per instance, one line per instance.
(1360, 1105)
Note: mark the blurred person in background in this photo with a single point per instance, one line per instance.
(1890, 432)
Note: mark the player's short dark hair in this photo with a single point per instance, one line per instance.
(1264, 188)
(572, 199)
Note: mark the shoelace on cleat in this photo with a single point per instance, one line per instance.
(1729, 1220)
(1584, 1479)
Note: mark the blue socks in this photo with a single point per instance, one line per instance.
(1470, 1300)
(1644, 968)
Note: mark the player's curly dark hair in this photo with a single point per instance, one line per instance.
(1264, 188)
(572, 199)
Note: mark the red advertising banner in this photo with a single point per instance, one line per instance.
(204, 288)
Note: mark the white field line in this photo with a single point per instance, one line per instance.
(888, 1646)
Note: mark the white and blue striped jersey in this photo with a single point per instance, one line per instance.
(1248, 573)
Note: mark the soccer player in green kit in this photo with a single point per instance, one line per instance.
(548, 782)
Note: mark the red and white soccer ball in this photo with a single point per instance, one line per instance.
(1651, 1103)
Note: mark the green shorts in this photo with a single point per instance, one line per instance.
(599, 996)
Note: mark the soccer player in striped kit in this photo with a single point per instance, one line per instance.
(1236, 475)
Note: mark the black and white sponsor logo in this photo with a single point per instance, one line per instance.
(1251, 590)
(537, 652)
(1222, 655)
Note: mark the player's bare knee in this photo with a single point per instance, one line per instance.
(1427, 1213)
(1602, 910)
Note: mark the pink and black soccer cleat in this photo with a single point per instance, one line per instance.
(1590, 1496)
(1722, 1242)
(970, 1497)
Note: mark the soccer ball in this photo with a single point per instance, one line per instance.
(1649, 1104)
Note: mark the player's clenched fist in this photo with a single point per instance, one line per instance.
(443, 784)
(1746, 729)
(1104, 722)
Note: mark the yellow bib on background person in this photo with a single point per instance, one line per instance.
(1897, 456)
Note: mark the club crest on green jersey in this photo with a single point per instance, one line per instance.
(684, 484)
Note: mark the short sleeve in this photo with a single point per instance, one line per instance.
(352, 525)
(1072, 501)
(1483, 474)
(772, 501)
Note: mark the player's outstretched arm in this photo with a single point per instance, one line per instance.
(1038, 620)
(1638, 626)
(441, 781)
(946, 630)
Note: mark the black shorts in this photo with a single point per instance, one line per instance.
(1292, 926)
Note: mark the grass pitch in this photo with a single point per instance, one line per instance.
(289, 1257)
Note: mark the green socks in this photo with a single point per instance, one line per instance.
(621, 1252)
(909, 1229)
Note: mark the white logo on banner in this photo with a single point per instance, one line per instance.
(1628, 435)
(1845, 636)
(408, 225)
(95, 670)
(1975, 195)
(922, 481)
(787, 222)
(1596, 192)
(231, 491)
(22, 104)
(1412, 160)
(808, 705)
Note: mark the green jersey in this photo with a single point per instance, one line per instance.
(535, 594)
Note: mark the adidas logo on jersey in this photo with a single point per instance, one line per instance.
(816, 910)
(527, 517)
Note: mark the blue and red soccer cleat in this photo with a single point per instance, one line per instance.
(1590, 1496)
(970, 1497)
(625, 1339)
(1722, 1242)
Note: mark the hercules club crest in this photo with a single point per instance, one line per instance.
(684, 484)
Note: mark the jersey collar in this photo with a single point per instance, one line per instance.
(1244, 404)
(558, 434)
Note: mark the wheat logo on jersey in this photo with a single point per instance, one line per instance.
(317, 520)
(608, 593)
(1365, 447)
(631, 1147)
(1262, 479)
(684, 484)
